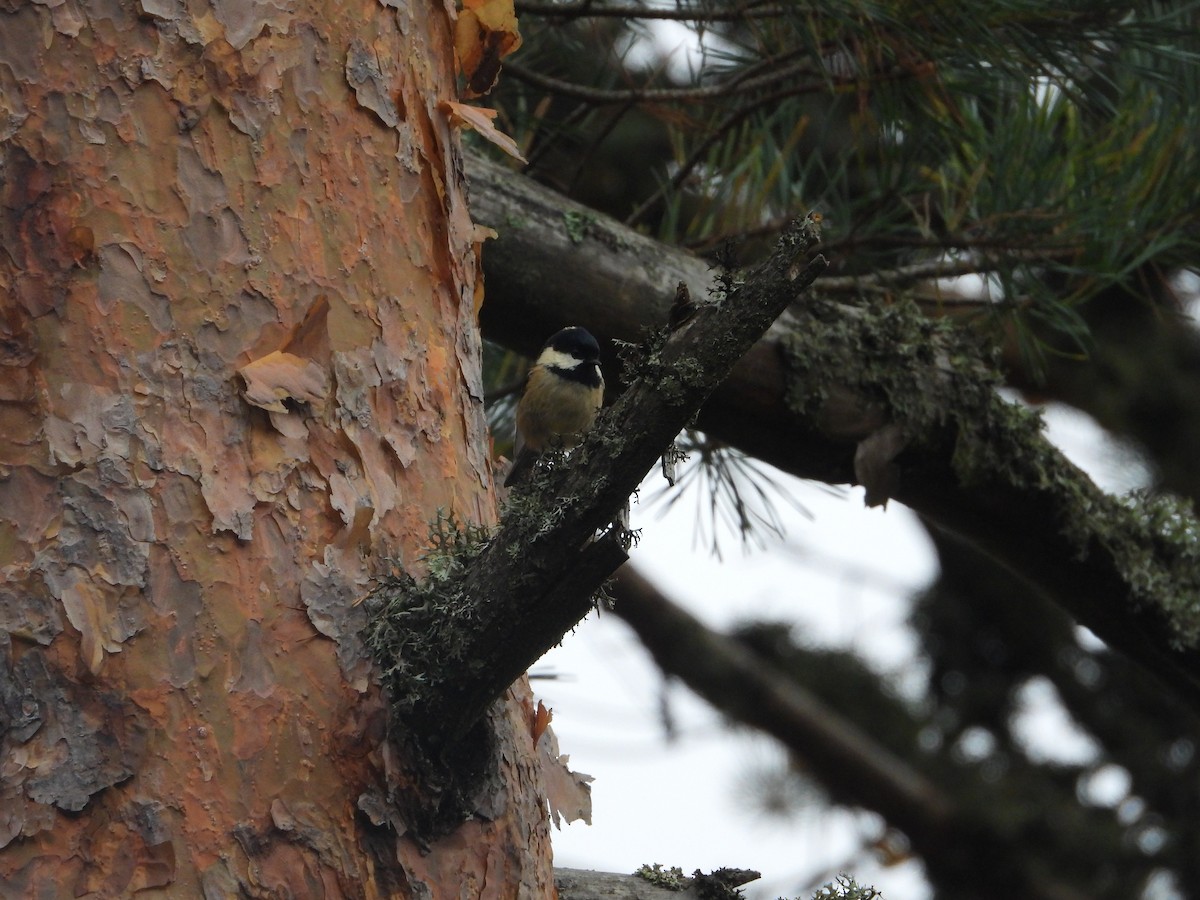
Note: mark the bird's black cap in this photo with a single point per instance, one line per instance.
(576, 341)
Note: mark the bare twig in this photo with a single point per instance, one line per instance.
(588, 9)
(935, 268)
(605, 96)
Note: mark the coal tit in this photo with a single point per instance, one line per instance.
(562, 396)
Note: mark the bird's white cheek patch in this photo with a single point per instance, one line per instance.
(557, 359)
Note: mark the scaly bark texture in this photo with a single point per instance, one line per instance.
(238, 368)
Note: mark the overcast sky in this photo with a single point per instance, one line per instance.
(845, 575)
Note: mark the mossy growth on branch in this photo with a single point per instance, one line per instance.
(720, 884)
(846, 888)
(411, 624)
(937, 382)
(418, 632)
(671, 878)
(1168, 527)
(916, 368)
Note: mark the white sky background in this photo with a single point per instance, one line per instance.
(685, 802)
(845, 577)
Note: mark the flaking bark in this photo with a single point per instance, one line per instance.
(239, 366)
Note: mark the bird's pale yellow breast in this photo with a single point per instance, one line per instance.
(554, 410)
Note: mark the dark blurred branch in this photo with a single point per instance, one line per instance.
(1023, 503)
(1141, 376)
(737, 682)
(848, 760)
(983, 634)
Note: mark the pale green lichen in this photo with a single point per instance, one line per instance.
(411, 624)
(672, 879)
(1159, 548)
(846, 888)
(937, 383)
(578, 224)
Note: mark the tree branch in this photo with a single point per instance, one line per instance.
(738, 683)
(519, 592)
(929, 269)
(850, 761)
(1013, 495)
(515, 585)
(584, 884)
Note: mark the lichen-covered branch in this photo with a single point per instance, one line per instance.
(651, 883)
(814, 391)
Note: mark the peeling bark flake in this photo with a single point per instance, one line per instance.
(77, 743)
(370, 85)
(245, 20)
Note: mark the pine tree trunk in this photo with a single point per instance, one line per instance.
(239, 369)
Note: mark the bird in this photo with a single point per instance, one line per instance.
(563, 393)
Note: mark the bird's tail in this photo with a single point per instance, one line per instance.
(521, 467)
